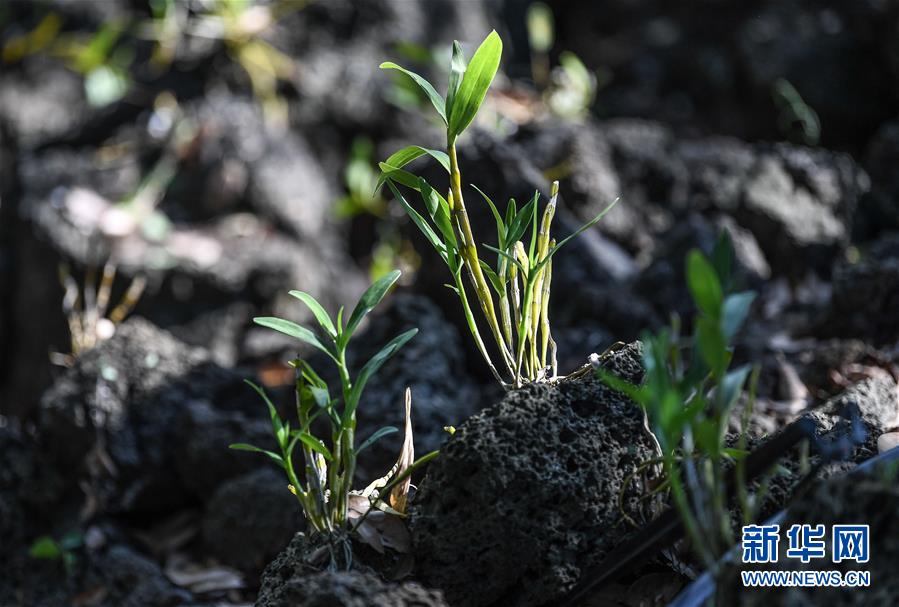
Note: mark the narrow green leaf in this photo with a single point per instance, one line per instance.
(736, 309)
(372, 366)
(519, 222)
(420, 222)
(712, 346)
(500, 224)
(438, 209)
(723, 258)
(316, 445)
(635, 393)
(317, 310)
(574, 234)
(521, 268)
(371, 298)
(377, 435)
(435, 97)
(277, 425)
(495, 280)
(247, 447)
(728, 391)
(473, 88)
(402, 157)
(401, 176)
(704, 284)
(293, 330)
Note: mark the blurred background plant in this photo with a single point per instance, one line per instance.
(688, 395)
(87, 312)
(363, 199)
(240, 25)
(569, 88)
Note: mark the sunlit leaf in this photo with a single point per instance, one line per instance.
(317, 310)
(473, 88)
(371, 298)
(293, 330)
(435, 97)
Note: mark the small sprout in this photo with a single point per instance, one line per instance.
(323, 485)
(63, 550)
(513, 295)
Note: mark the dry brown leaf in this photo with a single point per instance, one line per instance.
(399, 495)
(378, 529)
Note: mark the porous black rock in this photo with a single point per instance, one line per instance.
(250, 519)
(295, 578)
(525, 493)
(114, 418)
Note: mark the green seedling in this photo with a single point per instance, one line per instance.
(688, 394)
(569, 89)
(363, 197)
(240, 26)
(62, 550)
(513, 294)
(323, 486)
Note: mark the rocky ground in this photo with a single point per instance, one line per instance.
(122, 456)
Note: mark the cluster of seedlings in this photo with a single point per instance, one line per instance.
(688, 392)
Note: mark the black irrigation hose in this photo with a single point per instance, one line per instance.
(667, 528)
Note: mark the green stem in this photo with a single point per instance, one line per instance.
(469, 252)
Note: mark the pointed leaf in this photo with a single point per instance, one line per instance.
(371, 298)
(281, 434)
(500, 224)
(438, 209)
(317, 310)
(402, 176)
(316, 445)
(420, 222)
(372, 366)
(728, 391)
(377, 435)
(736, 309)
(712, 346)
(247, 447)
(520, 221)
(495, 280)
(723, 257)
(435, 97)
(401, 158)
(293, 330)
(704, 284)
(473, 88)
(574, 234)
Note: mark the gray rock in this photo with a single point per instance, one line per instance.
(524, 493)
(877, 401)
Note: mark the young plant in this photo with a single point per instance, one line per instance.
(688, 400)
(87, 310)
(513, 295)
(323, 486)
